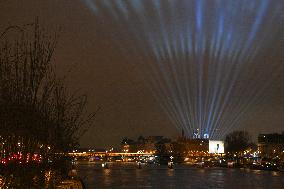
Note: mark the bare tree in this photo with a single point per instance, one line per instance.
(237, 141)
(37, 112)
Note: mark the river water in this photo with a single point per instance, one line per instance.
(182, 176)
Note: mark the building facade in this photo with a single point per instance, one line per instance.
(271, 145)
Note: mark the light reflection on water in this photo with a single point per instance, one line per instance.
(182, 177)
(107, 177)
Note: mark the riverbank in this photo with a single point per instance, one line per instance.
(33, 175)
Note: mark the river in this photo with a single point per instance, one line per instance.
(181, 177)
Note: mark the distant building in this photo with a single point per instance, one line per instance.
(148, 144)
(192, 147)
(271, 145)
(128, 145)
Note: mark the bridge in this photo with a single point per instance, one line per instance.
(109, 154)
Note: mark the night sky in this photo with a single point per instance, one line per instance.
(92, 62)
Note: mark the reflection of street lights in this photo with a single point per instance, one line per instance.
(171, 163)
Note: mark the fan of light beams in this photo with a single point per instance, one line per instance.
(208, 62)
